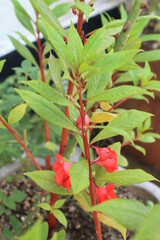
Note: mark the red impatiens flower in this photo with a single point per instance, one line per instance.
(105, 193)
(106, 158)
(61, 168)
(79, 121)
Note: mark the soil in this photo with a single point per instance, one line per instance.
(80, 224)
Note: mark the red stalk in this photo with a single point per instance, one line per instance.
(21, 143)
(54, 197)
(87, 157)
(119, 103)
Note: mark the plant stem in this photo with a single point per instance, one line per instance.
(64, 136)
(21, 143)
(80, 21)
(128, 26)
(40, 55)
(118, 104)
(87, 157)
(25, 143)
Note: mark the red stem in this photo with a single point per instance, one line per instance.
(40, 55)
(64, 136)
(128, 142)
(21, 143)
(119, 103)
(87, 157)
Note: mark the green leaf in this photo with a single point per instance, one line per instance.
(92, 45)
(127, 121)
(2, 210)
(61, 9)
(153, 85)
(16, 224)
(55, 71)
(45, 206)
(7, 233)
(45, 180)
(10, 203)
(60, 217)
(81, 170)
(29, 43)
(150, 226)
(150, 37)
(22, 50)
(35, 230)
(23, 16)
(84, 7)
(97, 84)
(123, 12)
(59, 235)
(140, 149)
(50, 146)
(48, 92)
(18, 195)
(129, 213)
(17, 113)
(49, 2)
(74, 45)
(118, 93)
(45, 229)
(48, 15)
(2, 64)
(58, 44)
(149, 56)
(59, 203)
(113, 61)
(84, 200)
(112, 223)
(127, 177)
(46, 109)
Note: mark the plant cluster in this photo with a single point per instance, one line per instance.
(102, 73)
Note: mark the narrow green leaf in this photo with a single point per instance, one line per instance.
(92, 45)
(10, 203)
(150, 227)
(85, 8)
(55, 71)
(48, 15)
(60, 217)
(61, 9)
(45, 206)
(17, 113)
(44, 231)
(59, 235)
(45, 180)
(2, 64)
(22, 50)
(23, 16)
(59, 203)
(149, 56)
(127, 177)
(129, 213)
(118, 93)
(16, 224)
(140, 149)
(97, 84)
(81, 170)
(150, 37)
(48, 92)
(29, 43)
(74, 45)
(46, 109)
(123, 12)
(58, 44)
(153, 85)
(35, 230)
(127, 121)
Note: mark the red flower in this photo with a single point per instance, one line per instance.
(107, 158)
(61, 168)
(79, 121)
(105, 193)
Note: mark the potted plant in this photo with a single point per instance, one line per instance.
(90, 64)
